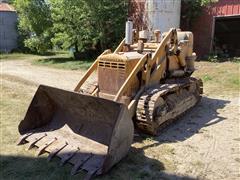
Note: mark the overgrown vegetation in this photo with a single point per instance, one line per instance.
(86, 26)
(35, 25)
(191, 10)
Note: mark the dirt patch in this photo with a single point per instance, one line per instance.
(203, 144)
(23, 70)
(205, 140)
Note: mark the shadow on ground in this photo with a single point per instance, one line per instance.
(65, 62)
(204, 114)
(59, 60)
(136, 165)
(56, 60)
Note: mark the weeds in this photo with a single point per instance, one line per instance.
(207, 78)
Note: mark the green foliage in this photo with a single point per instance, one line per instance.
(192, 9)
(71, 23)
(35, 24)
(85, 25)
(36, 44)
(9, 1)
(236, 59)
(108, 20)
(88, 24)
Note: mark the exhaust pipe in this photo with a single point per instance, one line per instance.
(129, 32)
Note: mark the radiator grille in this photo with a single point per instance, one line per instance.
(112, 65)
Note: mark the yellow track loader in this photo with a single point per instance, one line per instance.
(145, 82)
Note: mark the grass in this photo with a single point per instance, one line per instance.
(18, 56)
(59, 60)
(219, 78)
(147, 159)
(64, 62)
(17, 163)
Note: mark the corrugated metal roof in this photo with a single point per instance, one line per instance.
(6, 7)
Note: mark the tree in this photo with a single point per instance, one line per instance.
(72, 24)
(35, 24)
(85, 25)
(88, 25)
(109, 20)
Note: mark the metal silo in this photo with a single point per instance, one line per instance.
(155, 14)
(162, 14)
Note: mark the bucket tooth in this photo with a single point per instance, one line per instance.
(81, 159)
(55, 151)
(94, 163)
(82, 124)
(22, 139)
(43, 147)
(36, 139)
(68, 156)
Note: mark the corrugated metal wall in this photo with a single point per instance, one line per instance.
(203, 26)
(163, 14)
(155, 14)
(8, 31)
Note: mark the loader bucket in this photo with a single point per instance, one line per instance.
(89, 132)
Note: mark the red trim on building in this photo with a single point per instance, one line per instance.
(203, 27)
